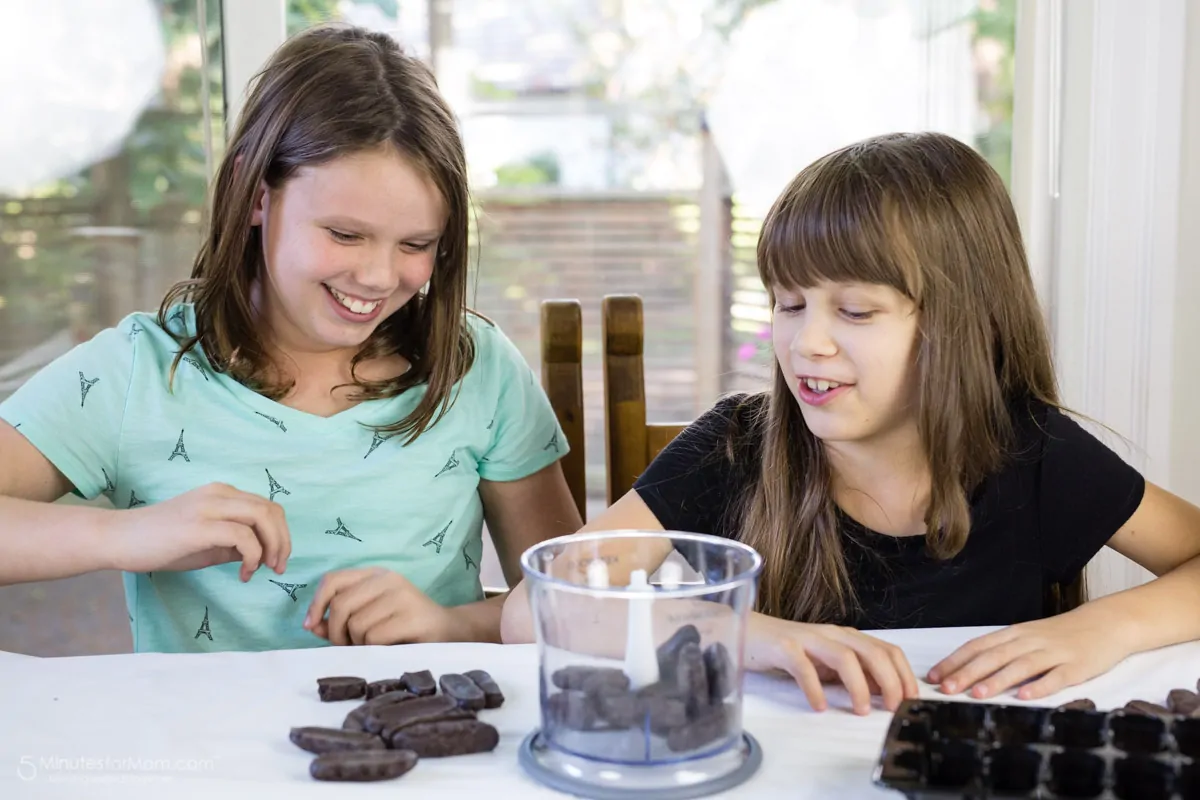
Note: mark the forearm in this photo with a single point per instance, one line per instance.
(45, 541)
(478, 622)
(1156, 614)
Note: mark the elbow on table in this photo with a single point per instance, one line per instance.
(516, 622)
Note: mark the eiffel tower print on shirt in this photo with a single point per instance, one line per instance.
(553, 443)
(204, 630)
(195, 362)
(180, 451)
(275, 488)
(290, 588)
(451, 463)
(85, 386)
(439, 539)
(342, 530)
(470, 562)
(108, 484)
(376, 440)
(278, 423)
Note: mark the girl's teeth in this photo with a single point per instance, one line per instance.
(357, 306)
(820, 386)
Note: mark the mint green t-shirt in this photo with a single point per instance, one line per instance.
(102, 413)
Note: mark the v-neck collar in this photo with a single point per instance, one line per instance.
(382, 411)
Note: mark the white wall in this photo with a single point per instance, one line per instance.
(1100, 195)
(1185, 391)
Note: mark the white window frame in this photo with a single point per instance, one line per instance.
(250, 31)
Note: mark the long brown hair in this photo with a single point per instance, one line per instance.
(332, 91)
(927, 216)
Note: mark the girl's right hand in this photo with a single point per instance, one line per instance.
(214, 524)
(815, 654)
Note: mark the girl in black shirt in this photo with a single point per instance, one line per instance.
(911, 465)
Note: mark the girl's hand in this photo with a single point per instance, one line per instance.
(376, 606)
(214, 524)
(1064, 650)
(814, 654)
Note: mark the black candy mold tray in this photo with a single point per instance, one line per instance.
(945, 748)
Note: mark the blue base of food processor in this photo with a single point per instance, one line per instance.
(535, 752)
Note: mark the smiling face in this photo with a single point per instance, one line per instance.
(847, 352)
(346, 244)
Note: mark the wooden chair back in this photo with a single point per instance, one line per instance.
(630, 442)
(562, 378)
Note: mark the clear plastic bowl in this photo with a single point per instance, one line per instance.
(640, 640)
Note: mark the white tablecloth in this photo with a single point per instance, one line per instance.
(215, 726)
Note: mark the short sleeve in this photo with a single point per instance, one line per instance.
(525, 434)
(694, 484)
(73, 409)
(1087, 493)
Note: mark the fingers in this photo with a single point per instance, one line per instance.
(955, 661)
(264, 517)
(371, 611)
(1053, 681)
(843, 660)
(802, 669)
(908, 678)
(241, 539)
(344, 594)
(1017, 671)
(983, 665)
(886, 664)
(379, 622)
(371, 604)
(330, 585)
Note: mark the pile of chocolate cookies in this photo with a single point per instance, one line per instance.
(1180, 703)
(401, 721)
(688, 706)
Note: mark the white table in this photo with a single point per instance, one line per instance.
(215, 726)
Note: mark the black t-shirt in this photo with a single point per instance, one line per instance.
(1060, 497)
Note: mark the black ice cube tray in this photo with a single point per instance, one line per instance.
(946, 748)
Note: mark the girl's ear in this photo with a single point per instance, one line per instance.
(258, 209)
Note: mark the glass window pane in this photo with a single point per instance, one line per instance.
(886, 65)
(103, 185)
(591, 126)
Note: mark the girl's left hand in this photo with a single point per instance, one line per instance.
(376, 606)
(1065, 650)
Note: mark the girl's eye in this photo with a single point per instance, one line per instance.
(414, 247)
(345, 238)
(789, 309)
(857, 316)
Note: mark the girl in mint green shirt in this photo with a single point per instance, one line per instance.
(303, 444)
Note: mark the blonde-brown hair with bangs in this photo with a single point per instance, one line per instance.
(327, 92)
(926, 215)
